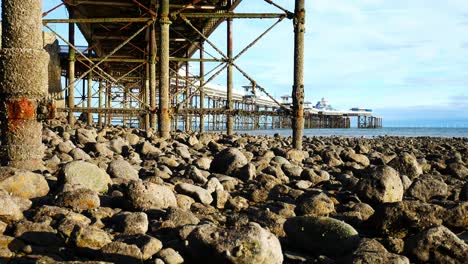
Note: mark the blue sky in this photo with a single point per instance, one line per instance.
(405, 59)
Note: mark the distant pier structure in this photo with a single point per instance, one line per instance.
(323, 115)
(135, 71)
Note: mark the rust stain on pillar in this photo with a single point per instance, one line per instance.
(23, 83)
(21, 108)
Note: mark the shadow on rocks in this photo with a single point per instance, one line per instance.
(120, 259)
(17, 248)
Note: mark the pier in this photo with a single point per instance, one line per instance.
(132, 71)
(194, 103)
(251, 112)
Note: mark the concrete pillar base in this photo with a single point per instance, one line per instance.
(23, 83)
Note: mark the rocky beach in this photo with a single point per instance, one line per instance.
(123, 195)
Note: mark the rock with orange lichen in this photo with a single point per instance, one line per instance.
(23, 183)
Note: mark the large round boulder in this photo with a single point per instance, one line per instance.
(79, 200)
(23, 183)
(382, 184)
(246, 244)
(142, 196)
(122, 169)
(227, 161)
(82, 174)
(426, 186)
(321, 235)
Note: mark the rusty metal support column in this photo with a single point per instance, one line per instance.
(83, 93)
(164, 122)
(191, 115)
(108, 102)
(23, 84)
(90, 96)
(298, 88)
(208, 118)
(202, 90)
(215, 115)
(187, 94)
(152, 75)
(176, 99)
(71, 72)
(147, 96)
(125, 106)
(101, 88)
(230, 85)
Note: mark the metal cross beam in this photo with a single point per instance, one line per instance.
(234, 15)
(98, 20)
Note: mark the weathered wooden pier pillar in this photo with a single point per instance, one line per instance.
(23, 83)
(164, 121)
(230, 84)
(298, 88)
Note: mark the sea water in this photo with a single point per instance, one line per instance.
(369, 133)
